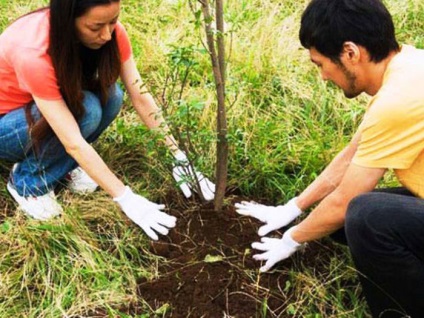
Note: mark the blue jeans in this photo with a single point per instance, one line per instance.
(384, 230)
(38, 174)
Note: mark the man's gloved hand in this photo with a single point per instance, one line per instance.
(146, 214)
(186, 178)
(275, 249)
(275, 217)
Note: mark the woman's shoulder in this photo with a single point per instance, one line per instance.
(28, 32)
(120, 31)
(123, 41)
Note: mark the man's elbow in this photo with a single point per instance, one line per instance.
(339, 202)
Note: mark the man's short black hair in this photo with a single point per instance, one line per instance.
(327, 24)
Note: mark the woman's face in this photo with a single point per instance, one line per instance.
(95, 27)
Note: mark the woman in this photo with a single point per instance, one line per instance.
(58, 68)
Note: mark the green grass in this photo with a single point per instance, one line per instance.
(285, 124)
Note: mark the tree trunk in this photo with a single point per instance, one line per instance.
(218, 65)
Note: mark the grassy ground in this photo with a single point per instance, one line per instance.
(285, 124)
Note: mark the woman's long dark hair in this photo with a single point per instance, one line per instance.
(76, 67)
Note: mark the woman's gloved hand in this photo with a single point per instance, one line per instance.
(146, 214)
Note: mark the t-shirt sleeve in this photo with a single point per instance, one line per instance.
(392, 135)
(36, 75)
(123, 41)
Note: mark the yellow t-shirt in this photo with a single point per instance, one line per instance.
(392, 131)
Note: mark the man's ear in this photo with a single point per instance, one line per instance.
(351, 53)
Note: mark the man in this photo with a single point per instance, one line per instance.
(354, 46)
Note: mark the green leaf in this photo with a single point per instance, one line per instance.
(163, 309)
(5, 227)
(212, 258)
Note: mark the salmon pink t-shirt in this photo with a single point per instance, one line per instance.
(26, 69)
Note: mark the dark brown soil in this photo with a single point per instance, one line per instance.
(208, 270)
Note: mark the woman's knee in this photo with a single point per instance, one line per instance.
(93, 114)
(114, 102)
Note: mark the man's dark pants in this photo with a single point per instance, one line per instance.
(384, 230)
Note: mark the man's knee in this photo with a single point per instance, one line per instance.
(361, 214)
(355, 208)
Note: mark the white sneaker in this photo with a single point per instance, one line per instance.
(42, 208)
(80, 181)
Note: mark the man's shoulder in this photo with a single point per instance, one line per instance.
(407, 65)
(403, 84)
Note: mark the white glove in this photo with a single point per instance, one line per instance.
(186, 178)
(146, 214)
(275, 217)
(275, 249)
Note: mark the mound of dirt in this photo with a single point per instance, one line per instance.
(208, 270)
